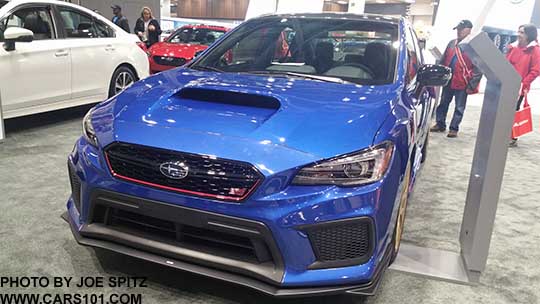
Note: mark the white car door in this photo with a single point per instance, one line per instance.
(90, 50)
(36, 74)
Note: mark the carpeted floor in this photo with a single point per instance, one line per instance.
(34, 241)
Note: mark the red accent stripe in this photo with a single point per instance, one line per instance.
(220, 197)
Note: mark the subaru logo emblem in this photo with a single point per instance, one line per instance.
(174, 170)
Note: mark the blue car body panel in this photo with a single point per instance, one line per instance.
(315, 121)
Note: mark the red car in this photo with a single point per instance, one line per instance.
(182, 45)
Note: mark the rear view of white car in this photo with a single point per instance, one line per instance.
(55, 55)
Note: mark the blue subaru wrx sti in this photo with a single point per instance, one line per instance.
(281, 158)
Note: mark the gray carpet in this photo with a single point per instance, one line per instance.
(34, 241)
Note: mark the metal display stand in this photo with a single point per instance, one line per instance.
(485, 180)
(2, 129)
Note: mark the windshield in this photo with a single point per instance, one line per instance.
(359, 51)
(200, 36)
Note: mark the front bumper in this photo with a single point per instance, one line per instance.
(282, 220)
(101, 237)
(156, 67)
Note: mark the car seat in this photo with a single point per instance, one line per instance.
(376, 58)
(210, 39)
(84, 29)
(353, 58)
(40, 28)
(324, 56)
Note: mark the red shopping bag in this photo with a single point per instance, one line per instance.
(522, 121)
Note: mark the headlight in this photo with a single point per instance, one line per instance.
(88, 129)
(355, 169)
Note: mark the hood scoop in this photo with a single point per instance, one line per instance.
(230, 98)
(216, 111)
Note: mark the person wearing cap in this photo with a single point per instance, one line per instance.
(524, 55)
(120, 19)
(465, 80)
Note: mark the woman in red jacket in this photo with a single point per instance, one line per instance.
(524, 55)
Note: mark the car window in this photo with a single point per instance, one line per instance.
(200, 36)
(103, 30)
(354, 50)
(419, 55)
(413, 62)
(2, 3)
(36, 19)
(77, 24)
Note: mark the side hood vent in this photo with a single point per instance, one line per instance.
(230, 98)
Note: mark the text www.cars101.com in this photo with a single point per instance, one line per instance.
(74, 298)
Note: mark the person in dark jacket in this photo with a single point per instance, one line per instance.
(524, 55)
(120, 19)
(147, 28)
(465, 80)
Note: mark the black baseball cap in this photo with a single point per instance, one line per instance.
(116, 6)
(463, 24)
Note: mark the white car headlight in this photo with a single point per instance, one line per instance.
(88, 129)
(354, 169)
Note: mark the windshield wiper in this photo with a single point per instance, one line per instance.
(206, 68)
(301, 75)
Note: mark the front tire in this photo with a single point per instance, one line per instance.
(400, 220)
(122, 78)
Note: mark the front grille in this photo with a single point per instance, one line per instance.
(187, 236)
(199, 175)
(75, 187)
(341, 243)
(170, 61)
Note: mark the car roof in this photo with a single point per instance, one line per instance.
(205, 26)
(337, 16)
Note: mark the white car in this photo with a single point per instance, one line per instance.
(55, 55)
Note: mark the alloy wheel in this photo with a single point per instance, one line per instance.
(123, 81)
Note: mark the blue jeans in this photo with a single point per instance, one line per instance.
(442, 110)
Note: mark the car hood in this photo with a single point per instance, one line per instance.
(176, 49)
(275, 123)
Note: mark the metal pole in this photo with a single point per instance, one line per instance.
(490, 152)
(485, 180)
(2, 129)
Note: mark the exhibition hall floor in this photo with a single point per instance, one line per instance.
(35, 241)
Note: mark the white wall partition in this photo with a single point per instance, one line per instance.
(260, 7)
(300, 6)
(357, 6)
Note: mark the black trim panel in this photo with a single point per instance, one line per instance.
(369, 288)
(340, 263)
(271, 272)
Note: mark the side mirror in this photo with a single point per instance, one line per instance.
(16, 34)
(434, 75)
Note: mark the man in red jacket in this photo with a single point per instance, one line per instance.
(524, 55)
(465, 80)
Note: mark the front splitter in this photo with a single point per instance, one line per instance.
(366, 289)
